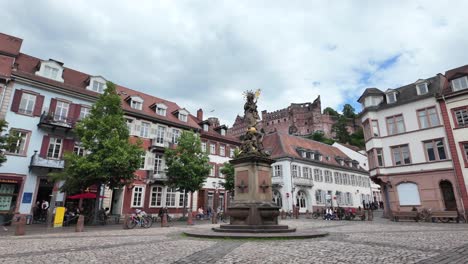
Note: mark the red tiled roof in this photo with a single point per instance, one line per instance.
(77, 81)
(215, 134)
(453, 74)
(6, 63)
(10, 45)
(281, 145)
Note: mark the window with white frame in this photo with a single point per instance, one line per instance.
(421, 88)
(359, 181)
(129, 125)
(55, 148)
(19, 146)
(205, 127)
(142, 161)
(160, 134)
(461, 116)
(460, 84)
(319, 196)
(305, 172)
(78, 149)
(137, 197)
(277, 171)
(231, 152)
(175, 136)
(171, 197)
(353, 180)
(213, 149)
(318, 177)
(61, 111)
(222, 150)
(328, 176)
(408, 194)
(391, 97)
(182, 198)
(428, 117)
(375, 128)
(158, 160)
(138, 105)
(98, 87)
(345, 179)
(223, 132)
(84, 112)
(183, 117)
(27, 104)
(50, 72)
(212, 170)
(220, 174)
(144, 129)
(338, 179)
(349, 198)
(160, 110)
(156, 196)
(203, 146)
(294, 171)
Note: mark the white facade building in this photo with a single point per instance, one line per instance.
(314, 175)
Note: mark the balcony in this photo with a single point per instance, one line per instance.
(160, 143)
(277, 181)
(158, 176)
(39, 162)
(303, 182)
(53, 121)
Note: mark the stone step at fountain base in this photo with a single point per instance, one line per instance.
(254, 229)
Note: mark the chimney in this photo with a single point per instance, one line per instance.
(200, 114)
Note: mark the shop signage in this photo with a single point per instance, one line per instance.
(59, 215)
(27, 198)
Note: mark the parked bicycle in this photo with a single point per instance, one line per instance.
(139, 218)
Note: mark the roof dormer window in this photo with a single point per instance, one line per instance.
(136, 102)
(183, 116)
(391, 97)
(161, 109)
(421, 88)
(205, 127)
(223, 132)
(51, 69)
(97, 84)
(460, 83)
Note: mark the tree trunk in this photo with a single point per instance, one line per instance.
(96, 205)
(185, 204)
(50, 211)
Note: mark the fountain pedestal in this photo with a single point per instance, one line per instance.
(253, 210)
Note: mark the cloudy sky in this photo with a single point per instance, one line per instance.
(206, 53)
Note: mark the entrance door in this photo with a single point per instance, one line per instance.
(448, 195)
(301, 201)
(117, 196)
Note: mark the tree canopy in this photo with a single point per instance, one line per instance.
(349, 111)
(330, 111)
(8, 142)
(187, 165)
(110, 159)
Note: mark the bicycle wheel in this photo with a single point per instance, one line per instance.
(131, 223)
(444, 219)
(315, 215)
(145, 223)
(149, 220)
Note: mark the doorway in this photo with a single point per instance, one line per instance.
(301, 201)
(116, 206)
(44, 192)
(448, 195)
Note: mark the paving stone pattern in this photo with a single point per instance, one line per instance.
(380, 241)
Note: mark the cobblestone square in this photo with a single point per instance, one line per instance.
(380, 241)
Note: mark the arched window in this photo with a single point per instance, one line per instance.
(408, 194)
(277, 198)
(301, 199)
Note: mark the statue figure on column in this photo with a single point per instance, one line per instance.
(252, 140)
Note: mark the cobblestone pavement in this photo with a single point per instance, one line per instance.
(379, 241)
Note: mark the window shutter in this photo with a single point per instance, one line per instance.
(137, 128)
(68, 145)
(38, 105)
(44, 146)
(71, 113)
(153, 132)
(16, 101)
(150, 161)
(53, 105)
(76, 115)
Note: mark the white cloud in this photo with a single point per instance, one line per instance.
(206, 53)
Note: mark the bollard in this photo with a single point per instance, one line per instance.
(308, 215)
(80, 224)
(164, 221)
(20, 225)
(370, 215)
(297, 213)
(283, 214)
(214, 218)
(190, 219)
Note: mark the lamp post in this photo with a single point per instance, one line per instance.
(292, 198)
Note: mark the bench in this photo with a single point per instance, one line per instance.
(413, 215)
(445, 216)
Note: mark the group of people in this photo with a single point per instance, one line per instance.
(373, 205)
(201, 214)
(40, 211)
(340, 213)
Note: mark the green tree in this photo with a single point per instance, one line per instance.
(340, 130)
(7, 142)
(357, 139)
(330, 111)
(111, 158)
(320, 137)
(187, 165)
(349, 111)
(228, 171)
